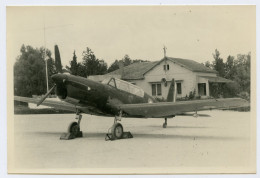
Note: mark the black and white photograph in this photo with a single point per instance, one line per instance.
(162, 89)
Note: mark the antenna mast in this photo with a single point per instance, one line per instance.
(46, 65)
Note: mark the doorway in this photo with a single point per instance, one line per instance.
(202, 89)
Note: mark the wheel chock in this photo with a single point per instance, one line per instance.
(124, 136)
(69, 136)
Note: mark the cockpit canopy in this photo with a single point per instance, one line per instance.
(125, 86)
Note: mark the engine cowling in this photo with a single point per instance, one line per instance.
(61, 91)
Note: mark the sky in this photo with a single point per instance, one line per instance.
(189, 32)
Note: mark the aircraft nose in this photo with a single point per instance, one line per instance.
(59, 78)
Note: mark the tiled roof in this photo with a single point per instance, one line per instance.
(217, 79)
(137, 70)
(191, 65)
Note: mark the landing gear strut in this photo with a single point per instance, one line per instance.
(165, 123)
(73, 129)
(117, 130)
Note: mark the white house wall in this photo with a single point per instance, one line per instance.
(187, 78)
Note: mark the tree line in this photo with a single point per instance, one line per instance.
(236, 69)
(30, 72)
(30, 75)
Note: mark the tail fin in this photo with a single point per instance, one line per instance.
(121, 68)
(171, 93)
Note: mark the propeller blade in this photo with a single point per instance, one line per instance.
(46, 95)
(57, 59)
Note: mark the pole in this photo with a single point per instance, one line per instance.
(46, 64)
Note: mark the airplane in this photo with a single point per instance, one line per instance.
(117, 98)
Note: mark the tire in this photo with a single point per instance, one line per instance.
(117, 131)
(164, 125)
(74, 128)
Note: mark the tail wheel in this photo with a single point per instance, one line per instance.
(117, 131)
(74, 128)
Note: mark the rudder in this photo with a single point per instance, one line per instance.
(171, 93)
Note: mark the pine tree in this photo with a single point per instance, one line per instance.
(218, 64)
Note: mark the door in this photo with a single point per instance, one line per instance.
(202, 89)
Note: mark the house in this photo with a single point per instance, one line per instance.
(155, 77)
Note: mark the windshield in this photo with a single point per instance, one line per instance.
(123, 85)
(106, 80)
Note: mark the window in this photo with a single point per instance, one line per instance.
(122, 86)
(156, 89)
(106, 80)
(166, 67)
(159, 89)
(178, 88)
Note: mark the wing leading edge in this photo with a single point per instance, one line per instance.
(168, 109)
(58, 105)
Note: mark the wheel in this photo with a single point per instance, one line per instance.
(117, 131)
(164, 125)
(74, 128)
(195, 115)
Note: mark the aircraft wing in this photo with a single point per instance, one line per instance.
(59, 105)
(169, 109)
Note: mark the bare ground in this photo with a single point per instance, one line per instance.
(220, 143)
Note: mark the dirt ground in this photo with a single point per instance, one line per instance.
(221, 143)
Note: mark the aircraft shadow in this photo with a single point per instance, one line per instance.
(49, 133)
(180, 127)
(187, 137)
(144, 136)
(58, 134)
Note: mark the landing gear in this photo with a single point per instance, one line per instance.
(73, 129)
(165, 123)
(195, 114)
(117, 130)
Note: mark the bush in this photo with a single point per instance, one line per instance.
(192, 94)
(160, 99)
(231, 90)
(245, 95)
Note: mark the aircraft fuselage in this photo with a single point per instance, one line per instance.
(106, 98)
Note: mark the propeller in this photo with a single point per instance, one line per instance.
(46, 95)
(57, 59)
(59, 69)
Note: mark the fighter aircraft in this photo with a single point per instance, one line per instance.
(117, 98)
